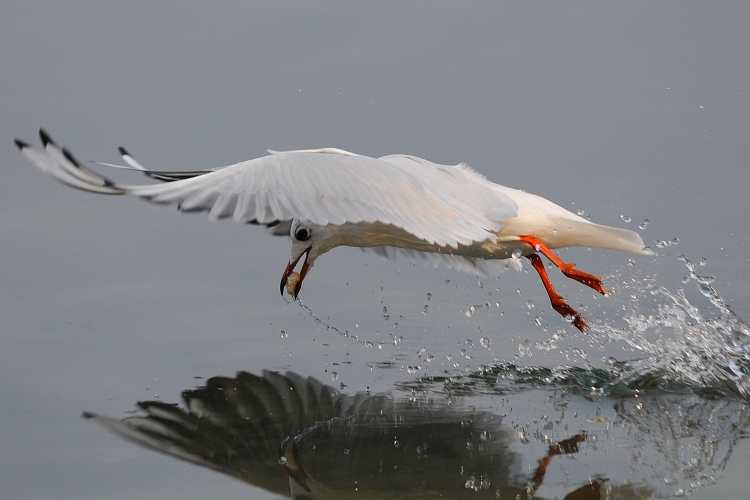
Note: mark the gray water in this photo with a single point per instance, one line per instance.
(625, 113)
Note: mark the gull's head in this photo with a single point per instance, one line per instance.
(309, 241)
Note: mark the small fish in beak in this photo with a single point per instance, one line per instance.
(293, 284)
(292, 280)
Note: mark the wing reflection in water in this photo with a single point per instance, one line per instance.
(289, 434)
(281, 431)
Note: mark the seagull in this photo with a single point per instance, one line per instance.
(325, 198)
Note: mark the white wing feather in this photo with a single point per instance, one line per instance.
(443, 205)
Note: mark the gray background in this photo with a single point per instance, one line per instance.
(636, 109)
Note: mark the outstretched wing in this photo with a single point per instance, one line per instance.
(441, 206)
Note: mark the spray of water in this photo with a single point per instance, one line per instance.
(684, 346)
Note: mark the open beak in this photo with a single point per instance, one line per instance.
(290, 269)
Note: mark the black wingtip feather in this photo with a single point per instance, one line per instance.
(123, 152)
(71, 158)
(20, 144)
(46, 139)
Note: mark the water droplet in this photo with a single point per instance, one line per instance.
(396, 444)
(485, 342)
(703, 262)
(429, 296)
(530, 304)
(385, 313)
(580, 212)
(662, 244)
(538, 321)
(625, 218)
(424, 309)
(518, 291)
(674, 241)
(346, 451)
(283, 334)
(334, 376)
(517, 253)
(643, 224)
(447, 282)
(282, 460)
(480, 284)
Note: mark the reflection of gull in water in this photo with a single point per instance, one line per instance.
(329, 197)
(246, 426)
(331, 445)
(287, 433)
(237, 425)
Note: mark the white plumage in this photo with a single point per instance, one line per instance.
(330, 197)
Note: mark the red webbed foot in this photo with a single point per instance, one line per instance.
(568, 270)
(558, 303)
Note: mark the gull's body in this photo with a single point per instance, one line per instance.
(329, 197)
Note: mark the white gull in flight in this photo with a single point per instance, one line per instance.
(326, 198)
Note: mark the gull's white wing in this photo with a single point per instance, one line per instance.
(462, 186)
(439, 204)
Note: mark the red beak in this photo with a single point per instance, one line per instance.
(302, 273)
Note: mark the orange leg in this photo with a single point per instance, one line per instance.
(567, 269)
(558, 304)
(568, 446)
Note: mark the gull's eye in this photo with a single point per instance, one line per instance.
(302, 234)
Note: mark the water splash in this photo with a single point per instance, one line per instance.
(682, 350)
(683, 345)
